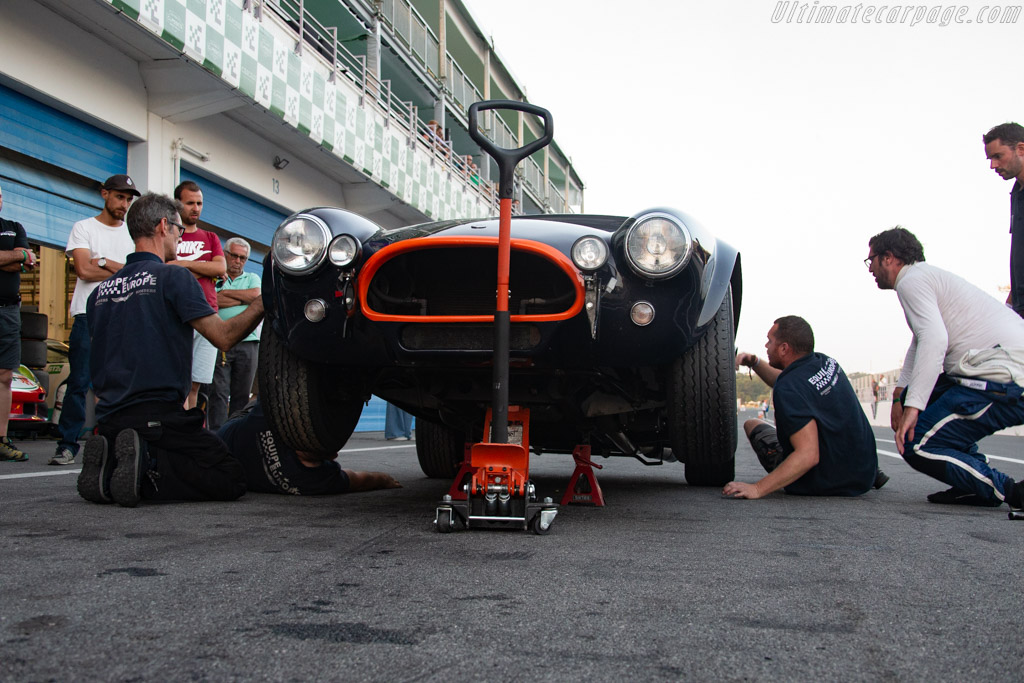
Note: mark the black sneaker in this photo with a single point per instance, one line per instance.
(1015, 495)
(881, 479)
(956, 496)
(97, 466)
(124, 483)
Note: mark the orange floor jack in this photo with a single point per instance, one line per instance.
(499, 493)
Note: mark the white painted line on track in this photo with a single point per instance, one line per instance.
(378, 448)
(26, 475)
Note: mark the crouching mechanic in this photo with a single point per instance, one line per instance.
(141, 322)
(962, 376)
(823, 445)
(271, 466)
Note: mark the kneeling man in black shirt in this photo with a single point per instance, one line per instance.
(141, 321)
(822, 444)
(272, 466)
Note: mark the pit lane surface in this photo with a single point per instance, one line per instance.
(666, 582)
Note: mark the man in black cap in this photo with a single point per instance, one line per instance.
(98, 247)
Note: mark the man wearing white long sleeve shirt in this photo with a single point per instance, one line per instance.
(962, 375)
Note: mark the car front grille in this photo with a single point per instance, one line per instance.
(462, 281)
(466, 337)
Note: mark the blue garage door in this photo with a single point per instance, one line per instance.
(51, 165)
(237, 214)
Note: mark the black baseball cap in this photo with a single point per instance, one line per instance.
(121, 182)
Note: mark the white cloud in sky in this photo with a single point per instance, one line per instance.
(795, 142)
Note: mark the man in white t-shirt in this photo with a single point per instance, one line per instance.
(962, 378)
(99, 247)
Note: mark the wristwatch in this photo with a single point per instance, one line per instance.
(102, 262)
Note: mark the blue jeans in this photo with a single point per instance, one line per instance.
(72, 414)
(947, 431)
(397, 422)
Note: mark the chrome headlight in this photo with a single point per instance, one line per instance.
(589, 253)
(344, 250)
(300, 245)
(658, 246)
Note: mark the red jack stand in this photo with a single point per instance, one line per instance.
(584, 469)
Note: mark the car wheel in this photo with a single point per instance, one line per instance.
(702, 404)
(439, 449)
(299, 399)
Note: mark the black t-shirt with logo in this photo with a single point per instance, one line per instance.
(12, 236)
(815, 387)
(141, 337)
(271, 465)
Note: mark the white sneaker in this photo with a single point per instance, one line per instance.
(63, 456)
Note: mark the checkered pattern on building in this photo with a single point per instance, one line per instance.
(229, 41)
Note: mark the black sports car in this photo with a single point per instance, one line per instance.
(622, 333)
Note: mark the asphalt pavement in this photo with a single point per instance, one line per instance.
(666, 582)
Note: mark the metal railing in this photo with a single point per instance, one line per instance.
(533, 177)
(464, 93)
(555, 198)
(411, 29)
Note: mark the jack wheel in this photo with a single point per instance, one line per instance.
(444, 522)
(537, 528)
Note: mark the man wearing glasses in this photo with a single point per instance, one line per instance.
(98, 247)
(142, 321)
(962, 375)
(235, 370)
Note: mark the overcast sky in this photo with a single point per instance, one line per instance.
(795, 141)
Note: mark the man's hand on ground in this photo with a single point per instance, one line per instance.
(739, 489)
(371, 481)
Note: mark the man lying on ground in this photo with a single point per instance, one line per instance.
(271, 466)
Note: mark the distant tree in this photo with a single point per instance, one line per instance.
(751, 388)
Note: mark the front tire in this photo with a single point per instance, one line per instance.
(303, 406)
(702, 403)
(439, 449)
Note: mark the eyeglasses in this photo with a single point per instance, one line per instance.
(240, 257)
(179, 226)
(869, 259)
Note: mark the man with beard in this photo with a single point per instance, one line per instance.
(148, 446)
(201, 253)
(822, 444)
(962, 375)
(1004, 148)
(98, 246)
